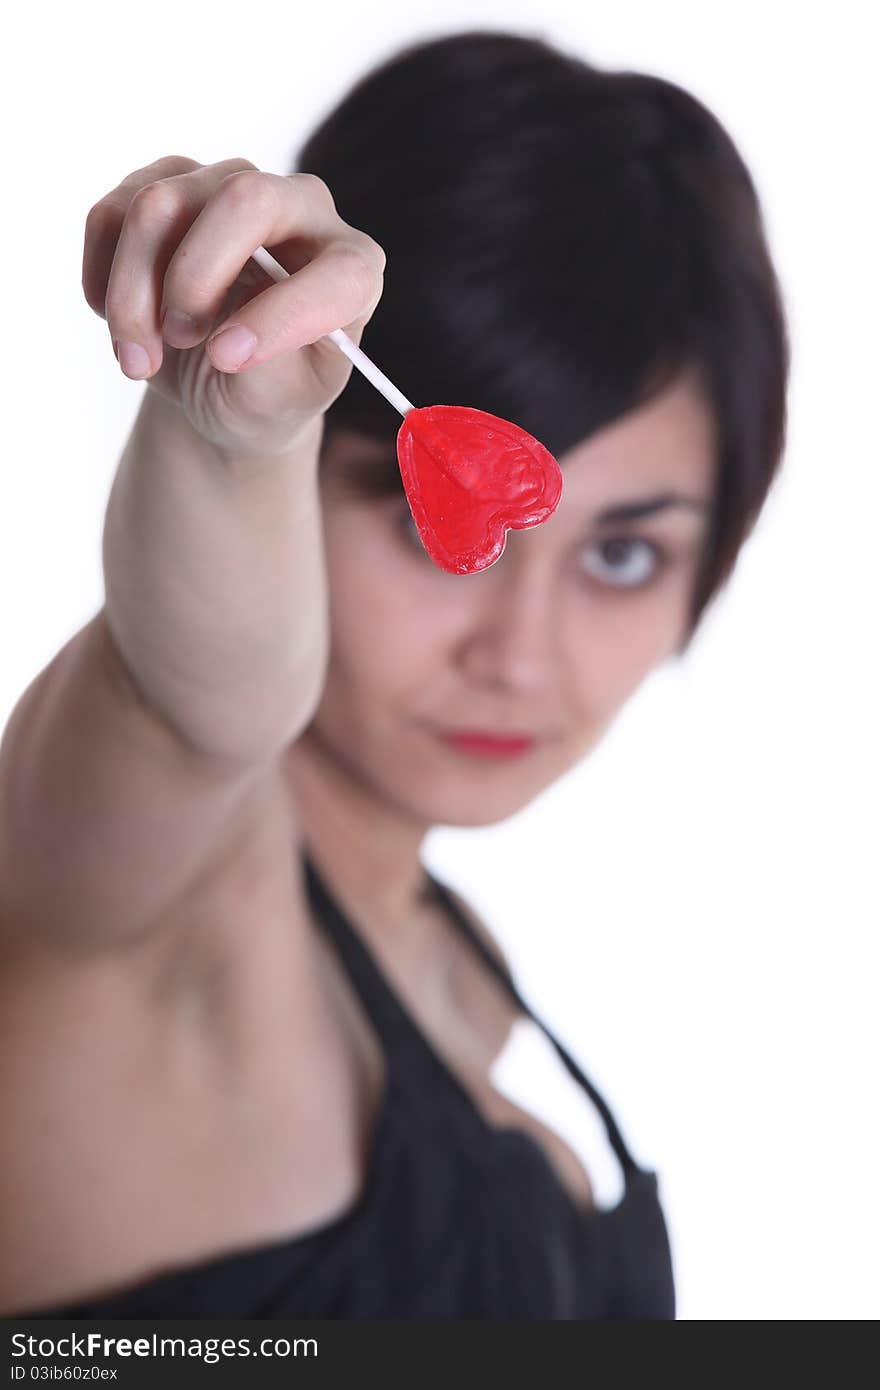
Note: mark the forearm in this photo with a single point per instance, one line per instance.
(215, 588)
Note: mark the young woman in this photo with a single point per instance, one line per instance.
(247, 1036)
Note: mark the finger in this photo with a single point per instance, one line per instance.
(104, 223)
(158, 216)
(339, 288)
(295, 215)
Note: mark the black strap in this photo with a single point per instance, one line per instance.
(396, 1026)
(615, 1137)
(391, 1019)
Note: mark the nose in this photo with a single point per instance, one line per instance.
(510, 637)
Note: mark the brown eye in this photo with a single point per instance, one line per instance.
(624, 562)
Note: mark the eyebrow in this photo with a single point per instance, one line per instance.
(649, 506)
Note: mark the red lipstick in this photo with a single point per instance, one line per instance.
(487, 745)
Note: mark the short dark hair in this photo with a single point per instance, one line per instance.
(561, 241)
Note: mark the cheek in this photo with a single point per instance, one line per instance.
(617, 645)
(379, 608)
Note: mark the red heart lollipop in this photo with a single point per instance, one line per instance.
(470, 477)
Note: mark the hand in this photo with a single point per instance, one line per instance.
(175, 239)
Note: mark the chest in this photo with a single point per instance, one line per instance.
(220, 1098)
(464, 1015)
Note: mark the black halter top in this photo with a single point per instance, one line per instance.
(457, 1218)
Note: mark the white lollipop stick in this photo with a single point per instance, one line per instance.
(342, 340)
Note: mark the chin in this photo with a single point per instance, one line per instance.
(471, 796)
(462, 807)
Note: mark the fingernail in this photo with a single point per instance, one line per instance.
(179, 329)
(133, 360)
(232, 347)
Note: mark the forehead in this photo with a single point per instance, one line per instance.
(667, 443)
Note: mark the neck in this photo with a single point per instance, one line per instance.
(368, 849)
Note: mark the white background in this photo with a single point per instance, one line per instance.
(694, 909)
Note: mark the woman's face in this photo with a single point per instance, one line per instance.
(548, 642)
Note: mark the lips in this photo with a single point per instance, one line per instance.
(483, 743)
